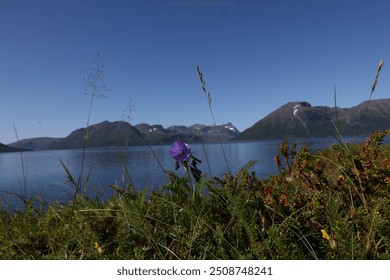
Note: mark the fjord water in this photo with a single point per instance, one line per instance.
(45, 177)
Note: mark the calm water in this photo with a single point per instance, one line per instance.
(46, 178)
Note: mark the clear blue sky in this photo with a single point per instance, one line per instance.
(255, 56)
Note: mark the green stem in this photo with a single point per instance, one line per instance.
(187, 169)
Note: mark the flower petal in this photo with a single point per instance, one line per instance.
(325, 235)
(180, 151)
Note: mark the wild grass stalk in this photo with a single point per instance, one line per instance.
(205, 154)
(22, 161)
(357, 184)
(380, 65)
(127, 116)
(13, 205)
(124, 167)
(208, 97)
(153, 152)
(95, 87)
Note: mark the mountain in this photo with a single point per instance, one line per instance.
(38, 143)
(103, 134)
(121, 133)
(208, 133)
(6, 149)
(154, 134)
(214, 133)
(106, 134)
(300, 119)
(292, 120)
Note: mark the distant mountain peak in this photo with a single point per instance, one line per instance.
(231, 127)
(300, 119)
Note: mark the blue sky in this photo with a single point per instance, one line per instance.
(255, 56)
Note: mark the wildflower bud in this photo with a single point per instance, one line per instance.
(325, 234)
(99, 248)
(332, 242)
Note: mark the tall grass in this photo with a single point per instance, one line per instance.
(373, 87)
(208, 97)
(96, 88)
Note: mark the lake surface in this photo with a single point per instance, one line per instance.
(45, 177)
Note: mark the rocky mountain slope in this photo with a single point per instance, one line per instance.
(300, 119)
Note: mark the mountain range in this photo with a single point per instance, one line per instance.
(292, 120)
(300, 119)
(120, 133)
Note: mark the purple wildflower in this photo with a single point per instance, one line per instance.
(180, 151)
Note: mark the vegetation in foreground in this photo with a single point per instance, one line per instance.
(332, 204)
